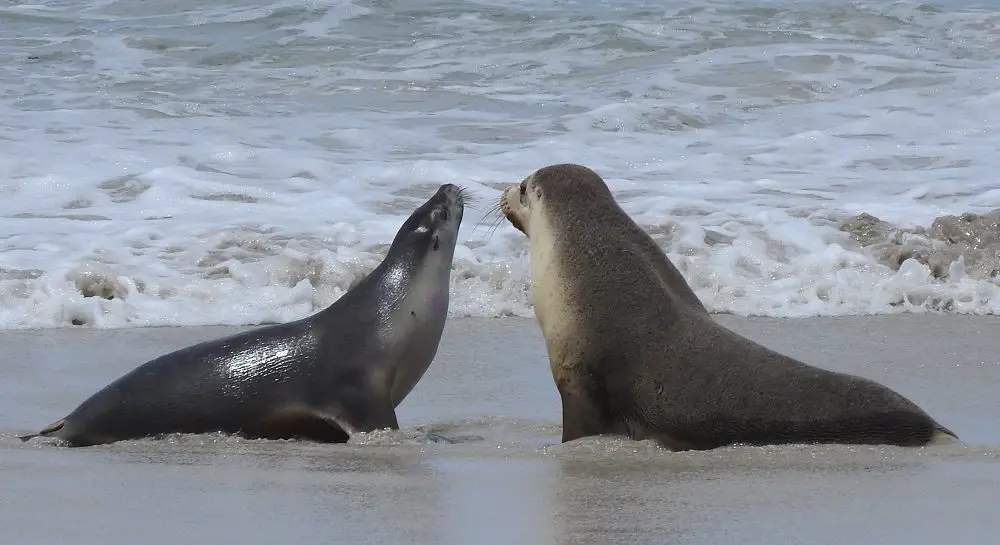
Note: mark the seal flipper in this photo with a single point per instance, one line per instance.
(943, 436)
(297, 424)
(46, 431)
(360, 414)
(581, 416)
(326, 425)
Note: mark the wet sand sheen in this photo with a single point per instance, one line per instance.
(516, 484)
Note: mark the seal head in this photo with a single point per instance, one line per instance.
(573, 199)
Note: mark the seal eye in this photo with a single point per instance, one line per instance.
(435, 242)
(524, 189)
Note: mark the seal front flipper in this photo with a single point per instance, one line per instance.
(362, 414)
(581, 416)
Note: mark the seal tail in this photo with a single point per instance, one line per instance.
(46, 431)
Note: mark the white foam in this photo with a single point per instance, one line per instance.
(245, 162)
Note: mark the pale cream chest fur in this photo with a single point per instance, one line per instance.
(552, 304)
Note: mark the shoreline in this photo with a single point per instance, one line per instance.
(48, 371)
(720, 316)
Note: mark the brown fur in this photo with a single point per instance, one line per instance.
(633, 352)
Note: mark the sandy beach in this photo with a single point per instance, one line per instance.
(506, 478)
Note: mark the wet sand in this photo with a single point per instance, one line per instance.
(508, 480)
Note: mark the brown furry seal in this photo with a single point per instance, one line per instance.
(632, 353)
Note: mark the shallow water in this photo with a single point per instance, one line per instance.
(242, 161)
(507, 479)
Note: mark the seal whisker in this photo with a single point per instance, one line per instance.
(493, 228)
(495, 220)
(468, 198)
(490, 214)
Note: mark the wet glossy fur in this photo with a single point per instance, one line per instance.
(632, 355)
(340, 371)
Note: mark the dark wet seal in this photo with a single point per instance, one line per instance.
(341, 371)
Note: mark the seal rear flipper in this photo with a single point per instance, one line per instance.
(943, 436)
(46, 431)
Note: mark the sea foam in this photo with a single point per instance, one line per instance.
(245, 162)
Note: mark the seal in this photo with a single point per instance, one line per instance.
(340, 371)
(631, 355)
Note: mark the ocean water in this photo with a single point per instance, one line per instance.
(244, 161)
